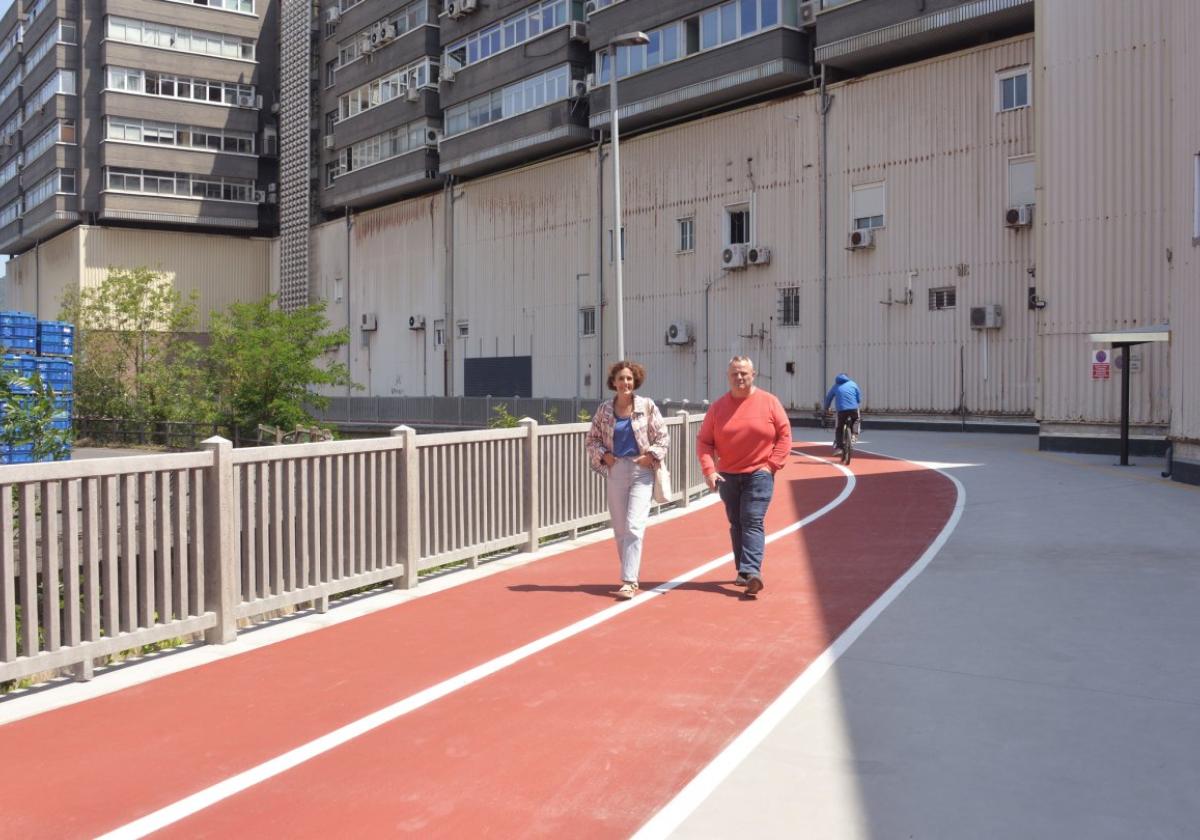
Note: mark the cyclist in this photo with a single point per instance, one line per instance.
(848, 396)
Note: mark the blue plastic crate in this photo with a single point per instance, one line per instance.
(56, 372)
(16, 457)
(19, 364)
(13, 316)
(64, 406)
(56, 347)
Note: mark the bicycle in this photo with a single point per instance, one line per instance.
(848, 437)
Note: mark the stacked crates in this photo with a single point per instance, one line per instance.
(44, 347)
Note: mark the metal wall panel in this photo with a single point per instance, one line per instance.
(525, 240)
(1104, 96)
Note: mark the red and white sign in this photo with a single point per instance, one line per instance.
(1101, 361)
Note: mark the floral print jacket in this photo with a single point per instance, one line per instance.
(649, 430)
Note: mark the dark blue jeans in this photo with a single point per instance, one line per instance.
(746, 496)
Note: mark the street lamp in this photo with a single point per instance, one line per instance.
(629, 39)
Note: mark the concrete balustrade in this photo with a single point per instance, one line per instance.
(107, 555)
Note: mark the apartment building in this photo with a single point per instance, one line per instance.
(139, 112)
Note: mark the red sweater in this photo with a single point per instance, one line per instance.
(744, 435)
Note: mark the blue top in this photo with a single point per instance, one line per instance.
(845, 391)
(624, 443)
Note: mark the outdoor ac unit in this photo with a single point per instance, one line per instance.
(679, 332)
(332, 14)
(734, 256)
(758, 255)
(589, 8)
(988, 317)
(260, 196)
(258, 102)
(579, 89)
(808, 12)
(577, 31)
(329, 142)
(453, 10)
(432, 137)
(864, 238)
(447, 72)
(1019, 216)
(369, 322)
(245, 100)
(416, 322)
(412, 93)
(590, 79)
(467, 6)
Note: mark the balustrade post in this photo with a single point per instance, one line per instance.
(687, 448)
(409, 515)
(220, 572)
(531, 484)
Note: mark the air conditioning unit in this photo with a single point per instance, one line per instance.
(734, 256)
(808, 12)
(758, 255)
(590, 79)
(369, 322)
(577, 31)
(467, 6)
(412, 93)
(590, 7)
(245, 100)
(432, 137)
(989, 317)
(332, 15)
(1019, 216)
(260, 196)
(579, 89)
(453, 10)
(447, 72)
(679, 332)
(416, 322)
(329, 144)
(864, 238)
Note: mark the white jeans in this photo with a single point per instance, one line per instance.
(629, 490)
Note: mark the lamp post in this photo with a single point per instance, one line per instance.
(629, 39)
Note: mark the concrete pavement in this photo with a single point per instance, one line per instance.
(1040, 679)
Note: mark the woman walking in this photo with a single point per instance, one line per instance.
(627, 442)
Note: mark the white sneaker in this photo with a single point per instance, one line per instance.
(627, 591)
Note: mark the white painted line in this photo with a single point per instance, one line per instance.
(707, 780)
(235, 784)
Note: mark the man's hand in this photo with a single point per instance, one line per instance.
(645, 460)
(712, 480)
(609, 459)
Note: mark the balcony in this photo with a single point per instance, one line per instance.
(390, 180)
(867, 35)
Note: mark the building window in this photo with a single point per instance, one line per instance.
(1013, 89)
(419, 74)
(789, 304)
(167, 37)
(587, 321)
(738, 225)
(439, 333)
(509, 101)
(463, 329)
(331, 72)
(179, 185)
(866, 206)
(338, 294)
(1020, 181)
(687, 234)
(942, 298)
(527, 24)
(400, 23)
(1196, 199)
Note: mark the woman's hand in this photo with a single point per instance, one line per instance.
(645, 460)
(609, 459)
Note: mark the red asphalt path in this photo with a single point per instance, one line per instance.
(588, 738)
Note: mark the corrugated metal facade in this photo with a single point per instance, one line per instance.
(525, 241)
(1184, 271)
(1104, 96)
(220, 269)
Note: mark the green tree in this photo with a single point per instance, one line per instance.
(264, 363)
(134, 357)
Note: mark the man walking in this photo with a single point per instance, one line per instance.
(744, 440)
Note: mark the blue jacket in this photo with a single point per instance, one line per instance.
(845, 390)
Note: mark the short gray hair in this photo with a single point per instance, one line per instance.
(736, 359)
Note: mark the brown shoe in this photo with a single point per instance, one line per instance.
(627, 591)
(741, 580)
(754, 586)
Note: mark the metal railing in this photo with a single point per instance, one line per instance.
(107, 555)
(468, 412)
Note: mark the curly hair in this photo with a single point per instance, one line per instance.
(639, 373)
